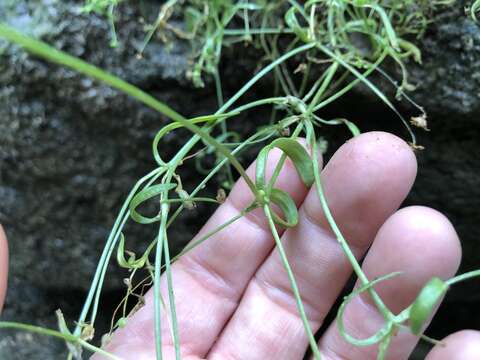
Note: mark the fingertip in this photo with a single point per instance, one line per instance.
(439, 234)
(421, 243)
(3, 266)
(462, 345)
(385, 147)
(384, 166)
(376, 171)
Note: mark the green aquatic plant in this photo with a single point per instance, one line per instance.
(317, 51)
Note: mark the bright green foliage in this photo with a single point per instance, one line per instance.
(318, 51)
(424, 305)
(358, 31)
(144, 195)
(299, 156)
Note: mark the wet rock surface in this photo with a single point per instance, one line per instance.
(71, 149)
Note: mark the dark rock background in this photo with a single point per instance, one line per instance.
(70, 150)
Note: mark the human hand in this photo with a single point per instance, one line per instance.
(233, 296)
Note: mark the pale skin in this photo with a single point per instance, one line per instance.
(233, 295)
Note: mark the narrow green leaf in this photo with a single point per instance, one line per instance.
(288, 207)
(132, 262)
(248, 6)
(175, 125)
(411, 48)
(369, 84)
(121, 253)
(193, 18)
(261, 165)
(353, 128)
(143, 196)
(296, 152)
(292, 22)
(380, 334)
(425, 303)
(389, 30)
(299, 156)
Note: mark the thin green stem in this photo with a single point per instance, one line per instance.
(352, 84)
(369, 84)
(57, 334)
(218, 89)
(108, 249)
(325, 83)
(265, 31)
(263, 72)
(215, 170)
(281, 161)
(171, 296)
(156, 281)
(267, 101)
(333, 225)
(293, 283)
(463, 277)
(195, 243)
(191, 199)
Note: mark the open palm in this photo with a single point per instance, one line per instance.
(233, 296)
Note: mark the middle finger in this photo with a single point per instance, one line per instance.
(365, 182)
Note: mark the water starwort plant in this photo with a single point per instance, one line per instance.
(317, 51)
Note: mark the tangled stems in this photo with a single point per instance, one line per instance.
(379, 21)
(96, 286)
(69, 338)
(296, 292)
(170, 168)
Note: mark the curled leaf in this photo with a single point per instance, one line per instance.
(381, 334)
(288, 207)
(350, 125)
(474, 9)
(292, 23)
(144, 195)
(296, 152)
(425, 303)
(410, 48)
(175, 125)
(132, 262)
